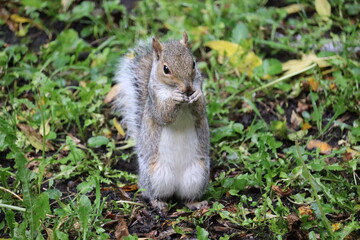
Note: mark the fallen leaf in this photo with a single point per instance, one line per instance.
(294, 8)
(19, 19)
(226, 49)
(302, 106)
(47, 128)
(295, 120)
(119, 128)
(291, 219)
(336, 226)
(241, 60)
(250, 62)
(306, 210)
(114, 91)
(129, 188)
(305, 126)
(350, 154)
(166, 234)
(35, 138)
(281, 192)
(121, 229)
(322, 146)
(293, 66)
(323, 8)
(313, 83)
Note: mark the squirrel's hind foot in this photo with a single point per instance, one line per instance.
(160, 206)
(196, 205)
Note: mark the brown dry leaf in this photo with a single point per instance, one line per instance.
(302, 106)
(314, 85)
(305, 210)
(291, 219)
(130, 188)
(123, 195)
(112, 93)
(35, 138)
(294, 8)
(295, 120)
(323, 8)
(177, 214)
(350, 154)
(121, 229)
(49, 232)
(323, 146)
(119, 128)
(281, 192)
(293, 66)
(76, 141)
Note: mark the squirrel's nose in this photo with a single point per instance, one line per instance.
(189, 91)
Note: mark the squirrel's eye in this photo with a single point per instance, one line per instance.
(193, 64)
(166, 70)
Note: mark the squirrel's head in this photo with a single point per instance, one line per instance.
(174, 64)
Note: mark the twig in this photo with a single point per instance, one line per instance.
(12, 193)
(131, 202)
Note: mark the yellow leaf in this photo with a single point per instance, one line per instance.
(250, 62)
(47, 128)
(313, 83)
(119, 127)
(294, 8)
(35, 139)
(235, 53)
(19, 19)
(305, 210)
(336, 226)
(293, 65)
(323, 8)
(112, 93)
(226, 49)
(323, 146)
(305, 126)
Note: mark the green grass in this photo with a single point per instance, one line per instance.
(62, 159)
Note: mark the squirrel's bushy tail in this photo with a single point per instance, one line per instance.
(132, 76)
(125, 103)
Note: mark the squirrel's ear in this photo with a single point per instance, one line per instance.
(157, 48)
(184, 40)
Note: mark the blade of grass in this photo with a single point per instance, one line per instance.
(3, 205)
(282, 78)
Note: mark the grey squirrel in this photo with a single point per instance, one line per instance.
(161, 101)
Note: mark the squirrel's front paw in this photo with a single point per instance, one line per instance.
(195, 96)
(179, 97)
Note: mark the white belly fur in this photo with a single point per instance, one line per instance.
(178, 158)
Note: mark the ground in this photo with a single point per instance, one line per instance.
(282, 88)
